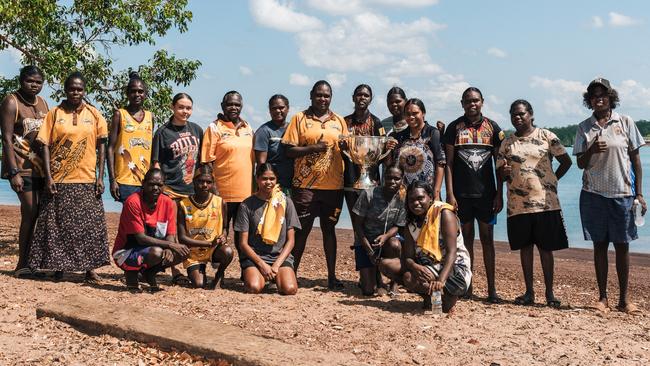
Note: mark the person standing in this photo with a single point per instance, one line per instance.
(21, 117)
(129, 142)
(176, 147)
(471, 144)
(268, 146)
(228, 146)
(419, 152)
(395, 101)
(534, 213)
(175, 150)
(607, 147)
(313, 140)
(360, 123)
(71, 232)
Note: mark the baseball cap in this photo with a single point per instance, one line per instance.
(600, 81)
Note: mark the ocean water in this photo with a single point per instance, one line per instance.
(568, 190)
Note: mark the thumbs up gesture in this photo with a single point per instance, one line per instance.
(598, 146)
(320, 146)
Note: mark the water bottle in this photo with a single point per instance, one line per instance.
(639, 220)
(436, 302)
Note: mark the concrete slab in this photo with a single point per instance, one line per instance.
(200, 337)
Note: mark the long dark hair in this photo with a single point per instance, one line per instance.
(396, 90)
(178, 97)
(417, 102)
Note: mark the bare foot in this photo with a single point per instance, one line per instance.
(629, 309)
(601, 306)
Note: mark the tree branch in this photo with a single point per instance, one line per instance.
(21, 49)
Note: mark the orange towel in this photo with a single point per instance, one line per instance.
(273, 217)
(428, 239)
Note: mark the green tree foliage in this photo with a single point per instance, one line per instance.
(567, 134)
(64, 36)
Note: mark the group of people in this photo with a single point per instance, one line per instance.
(181, 187)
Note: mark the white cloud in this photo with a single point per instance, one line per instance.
(407, 3)
(366, 41)
(204, 116)
(299, 79)
(16, 56)
(337, 7)
(281, 16)
(564, 96)
(633, 93)
(246, 71)
(254, 116)
(336, 80)
(620, 20)
(497, 52)
(597, 22)
(418, 64)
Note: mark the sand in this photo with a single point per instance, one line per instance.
(377, 330)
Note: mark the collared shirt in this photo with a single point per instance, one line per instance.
(230, 150)
(608, 173)
(72, 137)
(317, 170)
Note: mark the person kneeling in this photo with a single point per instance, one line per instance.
(146, 237)
(435, 257)
(201, 218)
(381, 215)
(267, 221)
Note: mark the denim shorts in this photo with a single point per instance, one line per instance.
(127, 190)
(607, 220)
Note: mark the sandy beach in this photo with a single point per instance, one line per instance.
(377, 330)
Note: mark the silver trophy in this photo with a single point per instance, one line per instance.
(365, 151)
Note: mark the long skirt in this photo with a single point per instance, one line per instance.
(70, 233)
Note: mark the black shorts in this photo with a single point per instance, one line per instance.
(246, 262)
(33, 184)
(232, 208)
(470, 209)
(321, 203)
(545, 229)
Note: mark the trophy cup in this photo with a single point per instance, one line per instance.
(365, 151)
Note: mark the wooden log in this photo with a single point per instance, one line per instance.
(194, 336)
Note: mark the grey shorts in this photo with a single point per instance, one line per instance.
(455, 284)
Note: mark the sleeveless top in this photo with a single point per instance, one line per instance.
(462, 254)
(203, 223)
(27, 123)
(133, 148)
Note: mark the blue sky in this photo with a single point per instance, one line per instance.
(545, 52)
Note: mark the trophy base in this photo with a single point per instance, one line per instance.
(364, 182)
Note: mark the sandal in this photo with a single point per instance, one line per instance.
(494, 299)
(181, 280)
(92, 279)
(629, 309)
(525, 300)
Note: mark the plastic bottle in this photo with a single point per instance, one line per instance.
(639, 220)
(436, 302)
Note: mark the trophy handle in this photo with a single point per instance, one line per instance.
(382, 156)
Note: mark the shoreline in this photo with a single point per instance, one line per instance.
(573, 252)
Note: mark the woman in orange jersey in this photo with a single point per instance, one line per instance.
(313, 140)
(201, 217)
(267, 221)
(71, 230)
(228, 147)
(129, 144)
(21, 117)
